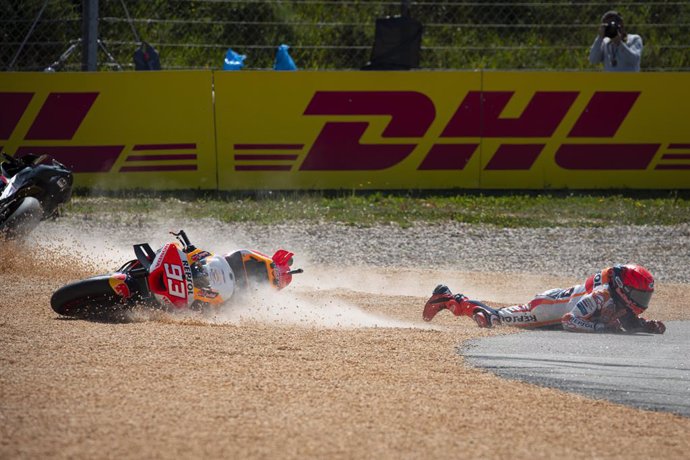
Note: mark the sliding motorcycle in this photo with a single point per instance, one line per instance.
(31, 191)
(177, 277)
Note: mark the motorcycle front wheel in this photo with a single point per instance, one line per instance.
(92, 298)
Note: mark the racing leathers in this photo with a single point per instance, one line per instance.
(588, 307)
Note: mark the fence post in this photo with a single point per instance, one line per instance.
(404, 8)
(89, 38)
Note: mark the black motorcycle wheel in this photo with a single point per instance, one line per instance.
(23, 219)
(92, 298)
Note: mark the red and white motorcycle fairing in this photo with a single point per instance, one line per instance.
(170, 278)
(282, 260)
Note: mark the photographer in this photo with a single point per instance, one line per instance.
(618, 50)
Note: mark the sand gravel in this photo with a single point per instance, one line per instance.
(337, 366)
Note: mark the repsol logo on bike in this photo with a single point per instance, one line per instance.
(59, 118)
(338, 145)
(188, 276)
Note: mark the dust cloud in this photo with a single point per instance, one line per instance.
(78, 251)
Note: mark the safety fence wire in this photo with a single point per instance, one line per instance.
(335, 34)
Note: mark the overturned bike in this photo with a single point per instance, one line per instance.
(177, 277)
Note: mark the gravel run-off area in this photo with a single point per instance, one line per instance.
(338, 365)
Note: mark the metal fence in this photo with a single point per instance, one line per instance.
(335, 34)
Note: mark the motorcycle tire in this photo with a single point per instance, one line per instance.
(23, 220)
(92, 298)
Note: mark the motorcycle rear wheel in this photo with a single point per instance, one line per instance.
(92, 298)
(23, 220)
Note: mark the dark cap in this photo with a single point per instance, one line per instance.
(612, 14)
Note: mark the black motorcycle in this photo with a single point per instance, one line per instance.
(30, 192)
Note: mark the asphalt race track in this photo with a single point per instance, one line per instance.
(646, 371)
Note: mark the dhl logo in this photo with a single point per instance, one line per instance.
(338, 146)
(59, 118)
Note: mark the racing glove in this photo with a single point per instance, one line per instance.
(653, 327)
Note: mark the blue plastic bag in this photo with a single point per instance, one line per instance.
(233, 60)
(283, 60)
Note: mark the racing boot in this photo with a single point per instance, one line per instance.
(442, 299)
(484, 315)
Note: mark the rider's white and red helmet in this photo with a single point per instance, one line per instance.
(217, 276)
(633, 285)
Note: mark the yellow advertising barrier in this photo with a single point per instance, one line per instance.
(585, 130)
(115, 130)
(253, 130)
(440, 130)
(335, 130)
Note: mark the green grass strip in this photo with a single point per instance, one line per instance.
(365, 209)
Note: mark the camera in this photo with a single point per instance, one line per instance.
(612, 28)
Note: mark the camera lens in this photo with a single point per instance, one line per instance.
(611, 29)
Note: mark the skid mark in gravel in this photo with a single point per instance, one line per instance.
(324, 310)
(418, 282)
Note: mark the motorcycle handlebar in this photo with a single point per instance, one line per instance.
(182, 237)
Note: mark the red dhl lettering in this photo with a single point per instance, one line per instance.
(479, 115)
(338, 145)
(60, 117)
